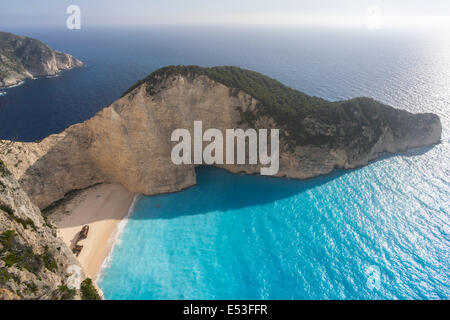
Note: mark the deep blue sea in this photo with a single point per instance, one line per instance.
(382, 231)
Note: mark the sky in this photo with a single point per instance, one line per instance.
(374, 13)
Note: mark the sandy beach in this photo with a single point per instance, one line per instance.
(102, 208)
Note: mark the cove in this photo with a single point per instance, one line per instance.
(253, 237)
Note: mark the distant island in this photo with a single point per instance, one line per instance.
(24, 58)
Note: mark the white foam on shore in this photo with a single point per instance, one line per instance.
(15, 85)
(115, 238)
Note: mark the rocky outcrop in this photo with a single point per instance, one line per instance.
(33, 261)
(24, 58)
(129, 142)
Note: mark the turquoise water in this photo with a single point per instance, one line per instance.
(250, 237)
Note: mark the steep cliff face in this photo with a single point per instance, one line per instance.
(24, 58)
(33, 261)
(129, 142)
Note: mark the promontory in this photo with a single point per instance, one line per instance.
(24, 58)
(129, 142)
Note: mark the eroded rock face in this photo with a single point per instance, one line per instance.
(24, 58)
(129, 141)
(33, 261)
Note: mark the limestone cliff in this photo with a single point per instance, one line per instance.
(33, 261)
(129, 141)
(24, 58)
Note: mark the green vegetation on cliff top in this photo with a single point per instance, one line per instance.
(303, 119)
(271, 93)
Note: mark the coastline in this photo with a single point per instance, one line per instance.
(17, 84)
(50, 76)
(115, 238)
(105, 208)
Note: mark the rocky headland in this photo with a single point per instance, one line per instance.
(129, 142)
(24, 58)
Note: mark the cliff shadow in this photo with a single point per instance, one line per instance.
(220, 191)
(217, 190)
(408, 153)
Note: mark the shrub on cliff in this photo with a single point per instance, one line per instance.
(64, 293)
(14, 253)
(88, 291)
(49, 261)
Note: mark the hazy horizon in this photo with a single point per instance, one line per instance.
(353, 13)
